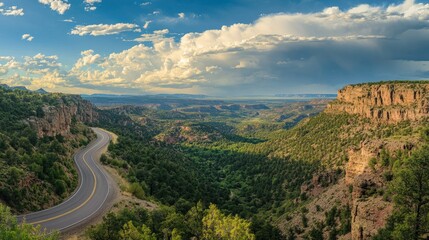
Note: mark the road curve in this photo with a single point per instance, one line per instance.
(93, 196)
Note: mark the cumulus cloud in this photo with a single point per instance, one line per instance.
(89, 4)
(282, 52)
(92, 1)
(60, 6)
(11, 11)
(27, 37)
(104, 29)
(88, 58)
(90, 8)
(7, 63)
(181, 15)
(38, 71)
(156, 36)
(40, 64)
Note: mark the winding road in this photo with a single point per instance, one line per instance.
(93, 196)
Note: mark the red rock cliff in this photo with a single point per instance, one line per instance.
(57, 120)
(386, 102)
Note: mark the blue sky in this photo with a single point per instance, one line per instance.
(238, 47)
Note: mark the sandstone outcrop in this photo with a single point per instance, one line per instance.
(58, 119)
(369, 211)
(384, 102)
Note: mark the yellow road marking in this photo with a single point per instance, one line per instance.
(80, 206)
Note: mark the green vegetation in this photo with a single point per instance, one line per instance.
(322, 139)
(10, 229)
(223, 171)
(167, 223)
(34, 172)
(215, 159)
(410, 187)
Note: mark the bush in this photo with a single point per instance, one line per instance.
(137, 190)
(10, 229)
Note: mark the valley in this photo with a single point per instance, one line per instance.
(214, 120)
(276, 169)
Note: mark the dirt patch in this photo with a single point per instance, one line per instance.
(125, 198)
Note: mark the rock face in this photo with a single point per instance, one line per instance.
(369, 211)
(57, 120)
(359, 160)
(385, 102)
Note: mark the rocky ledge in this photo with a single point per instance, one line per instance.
(389, 102)
(58, 119)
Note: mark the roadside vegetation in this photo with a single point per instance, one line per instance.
(34, 172)
(10, 229)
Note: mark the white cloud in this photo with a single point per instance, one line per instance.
(68, 20)
(89, 4)
(275, 50)
(27, 37)
(92, 1)
(146, 24)
(38, 71)
(50, 80)
(88, 58)
(103, 29)
(60, 6)
(5, 58)
(40, 64)
(11, 11)
(90, 8)
(7, 63)
(280, 52)
(156, 36)
(145, 3)
(169, 20)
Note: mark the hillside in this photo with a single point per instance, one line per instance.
(282, 165)
(368, 130)
(271, 168)
(38, 135)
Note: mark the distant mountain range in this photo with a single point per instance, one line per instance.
(154, 96)
(22, 88)
(112, 99)
(172, 99)
(306, 96)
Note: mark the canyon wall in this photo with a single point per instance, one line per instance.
(58, 119)
(382, 103)
(385, 102)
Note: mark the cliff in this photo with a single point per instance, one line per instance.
(369, 210)
(385, 102)
(57, 119)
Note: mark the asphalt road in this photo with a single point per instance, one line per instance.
(92, 197)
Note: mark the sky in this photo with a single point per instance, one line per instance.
(213, 47)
